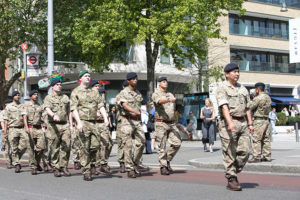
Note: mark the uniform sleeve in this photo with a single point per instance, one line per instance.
(254, 103)
(100, 101)
(24, 110)
(46, 103)
(221, 96)
(73, 101)
(122, 98)
(247, 99)
(155, 97)
(1, 116)
(5, 113)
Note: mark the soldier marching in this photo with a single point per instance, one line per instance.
(81, 123)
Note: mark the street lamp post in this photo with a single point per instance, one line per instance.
(50, 38)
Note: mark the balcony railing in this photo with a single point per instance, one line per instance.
(255, 66)
(258, 31)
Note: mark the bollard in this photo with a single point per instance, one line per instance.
(297, 132)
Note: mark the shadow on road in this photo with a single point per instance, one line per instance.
(249, 185)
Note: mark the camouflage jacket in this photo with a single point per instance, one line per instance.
(132, 98)
(34, 113)
(59, 105)
(261, 105)
(14, 114)
(237, 98)
(87, 102)
(164, 111)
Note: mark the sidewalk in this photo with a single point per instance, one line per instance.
(285, 159)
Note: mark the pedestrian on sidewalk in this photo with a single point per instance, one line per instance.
(208, 129)
(273, 118)
(145, 119)
(261, 145)
(235, 125)
(192, 125)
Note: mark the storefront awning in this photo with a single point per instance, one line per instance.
(285, 100)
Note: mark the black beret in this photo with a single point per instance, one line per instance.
(15, 93)
(162, 79)
(259, 84)
(131, 75)
(8, 101)
(93, 82)
(101, 90)
(125, 83)
(230, 67)
(32, 92)
(55, 81)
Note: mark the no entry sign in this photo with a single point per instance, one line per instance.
(24, 46)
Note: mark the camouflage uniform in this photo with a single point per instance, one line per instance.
(17, 136)
(5, 143)
(261, 105)
(165, 128)
(87, 103)
(120, 137)
(106, 142)
(131, 128)
(235, 146)
(58, 132)
(75, 145)
(36, 136)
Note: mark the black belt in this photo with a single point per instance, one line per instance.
(58, 122)
(165, 121)
(34, 126)
(260, 118)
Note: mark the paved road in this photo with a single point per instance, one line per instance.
(184, 184)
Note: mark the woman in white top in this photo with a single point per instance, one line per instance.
(293, 111)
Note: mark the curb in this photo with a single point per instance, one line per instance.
(253, 167)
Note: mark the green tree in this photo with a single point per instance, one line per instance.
(20, 21)
(180, 26)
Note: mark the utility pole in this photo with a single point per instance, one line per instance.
(50, 38)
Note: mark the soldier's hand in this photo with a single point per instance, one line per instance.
(251, 129)
(231, 127)
(5, 136)
(138, 112)
(172, 99)
(71, 129)
(56, 118)
(27, 130)
(79, 127)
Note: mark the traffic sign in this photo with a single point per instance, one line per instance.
(32, 60)
(24, 46)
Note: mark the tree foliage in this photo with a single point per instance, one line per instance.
(20, 21)
(181, 26)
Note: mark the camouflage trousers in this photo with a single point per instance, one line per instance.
(106, 144)
(261, 144)
(89, 145)
(7, 150)
(132, 130)
(59, 141)
(46, 151)
(235, 147)
(37, 146)
(167, 132)
(121, 143)
(75, 146)
(19, 142)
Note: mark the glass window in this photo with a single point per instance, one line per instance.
(253, 26)
(263, 61)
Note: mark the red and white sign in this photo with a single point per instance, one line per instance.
(32, 60)
(32, 65)
(24, 46)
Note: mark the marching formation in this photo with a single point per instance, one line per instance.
(79, 126)
(49, 132)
